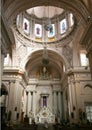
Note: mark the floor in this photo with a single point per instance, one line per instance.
(44, 127)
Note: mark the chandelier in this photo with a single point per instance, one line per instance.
(45, 58)
(48, 25)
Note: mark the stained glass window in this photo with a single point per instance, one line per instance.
(26, 25)
(38, 30)
(51, 32)
(63, 26)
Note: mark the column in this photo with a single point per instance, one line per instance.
(31, 94)
(74, 108)
(30, 107)
(73, 89)
(62, 107)
(57, 110)
(34, 102)
(29, 102)
(16, 100)
(70, 103)
(9, 91)
(41, 101)
(26, 103)
(55, 102)
(59, 103)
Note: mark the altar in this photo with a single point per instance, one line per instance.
(45, 115)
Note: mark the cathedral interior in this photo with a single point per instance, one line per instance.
(46, 63)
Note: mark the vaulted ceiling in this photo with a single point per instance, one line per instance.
(35, 63)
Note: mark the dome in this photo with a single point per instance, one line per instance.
(48, 24)
(45, 11)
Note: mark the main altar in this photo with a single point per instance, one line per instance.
(45, 115)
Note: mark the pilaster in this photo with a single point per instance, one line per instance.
(72, 99)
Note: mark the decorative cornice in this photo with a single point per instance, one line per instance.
(17, 73)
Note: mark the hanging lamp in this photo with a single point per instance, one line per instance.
(48, 25)
(45, 58)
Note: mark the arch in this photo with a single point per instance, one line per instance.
(37, 51)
